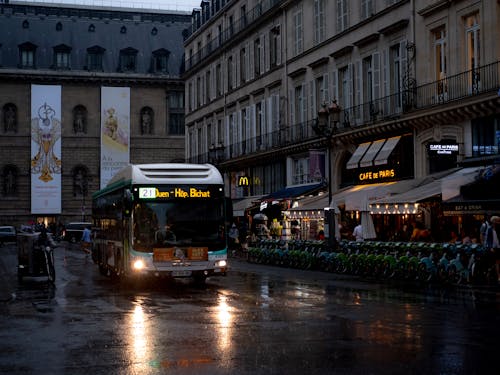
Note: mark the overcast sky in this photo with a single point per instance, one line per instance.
(184, 5)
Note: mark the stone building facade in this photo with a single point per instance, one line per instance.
(418, 72)
(83, 49)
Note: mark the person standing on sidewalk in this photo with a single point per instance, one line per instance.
(87, 240)
(492, 243)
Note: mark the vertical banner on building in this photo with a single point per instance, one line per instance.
(115, 131)
(45, 149)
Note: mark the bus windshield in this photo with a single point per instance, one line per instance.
(178, 223)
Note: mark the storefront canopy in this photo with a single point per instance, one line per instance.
(316, 203)
(239, 206)
(295, 191)
(411, 191)
(437, 186)
(480, 195)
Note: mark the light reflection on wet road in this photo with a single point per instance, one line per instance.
(257, 320)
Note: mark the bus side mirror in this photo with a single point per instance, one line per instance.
(128, 201)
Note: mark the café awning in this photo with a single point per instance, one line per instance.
(358, 154)
(386, 150)
(373, 153)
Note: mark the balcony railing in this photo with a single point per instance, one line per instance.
(454, 88)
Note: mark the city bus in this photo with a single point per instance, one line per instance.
(162, 220)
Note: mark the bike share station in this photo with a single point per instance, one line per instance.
(34, 260)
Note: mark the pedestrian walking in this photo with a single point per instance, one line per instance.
(86, 243)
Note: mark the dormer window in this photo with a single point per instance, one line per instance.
(160, 60)
(128, 60)
(62, 56)
(26, 24)
(94, 58)
(123, 30)
(59, 26)
(27, 55)
(92, 28)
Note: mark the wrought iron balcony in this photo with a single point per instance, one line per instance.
(452, 89)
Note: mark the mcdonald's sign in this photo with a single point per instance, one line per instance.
(243, 181)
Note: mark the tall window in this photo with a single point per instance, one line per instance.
(367, 8)
(243, 65)
(27, 55)
(175, 113)
(94, 58)
(367, 80)
(257, 53)
(440, 59)
(345, 86)
(322, 95)
(274, 48)
(62, 56)
(230, 72)
(300, 104)
(395, 74)
(259, 125)
(208, 86)
(300, 171)
(218, 79)
(198, 92)
(473, 49)
(319, 21)
(342, 15)
(298, 31)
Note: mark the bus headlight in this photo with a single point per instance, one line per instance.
(221, 263)
(138, 264)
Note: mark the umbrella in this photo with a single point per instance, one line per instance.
(336, 219)
(260, 216)
(367, 222)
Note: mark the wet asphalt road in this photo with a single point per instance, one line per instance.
(256, 320)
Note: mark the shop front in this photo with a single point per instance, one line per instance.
(468, 205)
(275, 205)
(306, 218)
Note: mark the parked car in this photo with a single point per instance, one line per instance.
(73, 231)
(7, 234)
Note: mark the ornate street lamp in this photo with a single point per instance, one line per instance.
(216, 153)
(326, 126)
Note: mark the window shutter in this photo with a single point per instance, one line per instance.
(335, 89)
(267, 52)
(278, 45)
(358, 100)
(253, 124)
(312, 98)
(385, 79)
(376, 75)
(291, 97)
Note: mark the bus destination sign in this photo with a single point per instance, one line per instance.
(152, 192)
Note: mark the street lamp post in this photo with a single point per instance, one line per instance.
(216, 153)
(326, 126)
